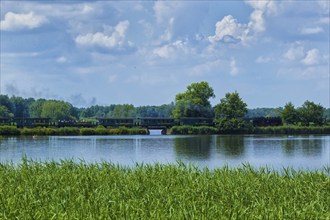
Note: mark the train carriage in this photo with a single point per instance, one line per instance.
(116, 122)
(31, 122)
(156, 122)
(197, 121)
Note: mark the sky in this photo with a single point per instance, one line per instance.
(145, 52)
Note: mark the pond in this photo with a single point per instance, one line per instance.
(299, 152)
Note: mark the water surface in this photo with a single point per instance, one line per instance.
(300, 152)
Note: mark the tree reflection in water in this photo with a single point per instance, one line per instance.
(307, 146)
(193, 147)
(230, 145)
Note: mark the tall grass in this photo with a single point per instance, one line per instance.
(100, 130)
(69, 190)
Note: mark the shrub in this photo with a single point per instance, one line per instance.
(87, 131)
(68, 131)
(9, 130)
(196, 130)
(101, 130)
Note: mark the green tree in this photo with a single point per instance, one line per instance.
(36, 108)
(311, 113)
(4, 112)
(229, 114)
(56, 110)
(20, 106)
(194, 102)
(231, 106)
(5, 101)
(289, 114)
(123, 111)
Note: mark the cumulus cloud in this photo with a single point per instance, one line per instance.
(113, 40)
(13, 21)
(295, 52)
(312, 57)
(228, 27)
(313, 30)
(172, 49)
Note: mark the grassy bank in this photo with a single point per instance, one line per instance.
(12, 130)
(67, 190)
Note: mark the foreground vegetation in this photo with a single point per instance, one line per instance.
(69, 190)
(100, 130)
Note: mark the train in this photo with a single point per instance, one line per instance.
(150, 123)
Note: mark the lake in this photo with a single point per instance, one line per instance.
(299, 152)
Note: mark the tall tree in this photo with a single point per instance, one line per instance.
(289, 114)
(4, 112)
(36, 108)
(20, 107)
(311, 113)
(229, 114)
(56, 110)
(231, 106)
(123, 111)
(194, 102)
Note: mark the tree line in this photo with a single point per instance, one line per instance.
(194, 102)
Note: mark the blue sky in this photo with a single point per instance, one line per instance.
(145, 52)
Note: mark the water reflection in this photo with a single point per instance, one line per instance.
(193, 147)
(307, 146)
(212, 151)
(230, 145)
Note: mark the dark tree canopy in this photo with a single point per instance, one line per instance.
(289, 114)
(311, 113)
(231, 106)
(194, 102)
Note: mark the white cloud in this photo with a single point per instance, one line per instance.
(62, 60)
(257, 22)
(313, 30)
(257, 17)
(263, 59)
(228, 26)
(164, 10)
(171, 50)
(113, 40)
(13, 21)
(295, 52)
(312, 57)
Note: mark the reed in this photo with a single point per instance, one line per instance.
(70, 190)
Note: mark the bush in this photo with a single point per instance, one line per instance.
(68, 131)
(196, 130)
(9, 130)
(234, 126)
(87, 131)
(101, 130)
